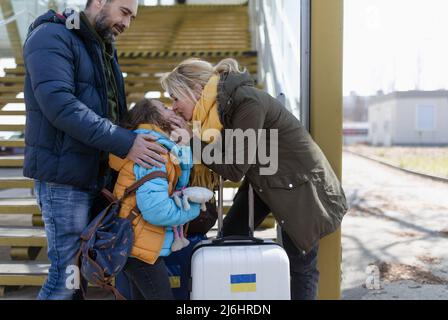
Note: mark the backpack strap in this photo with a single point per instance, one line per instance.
(133, 188)
(108, 195)
(135, 212)
(116, 293)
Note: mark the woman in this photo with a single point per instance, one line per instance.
(304, 193)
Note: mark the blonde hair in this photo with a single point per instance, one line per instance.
(182, 80)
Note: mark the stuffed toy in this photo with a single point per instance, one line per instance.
(192, 194)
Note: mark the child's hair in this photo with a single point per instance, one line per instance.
(145, 112)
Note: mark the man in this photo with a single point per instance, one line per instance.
(74, 95)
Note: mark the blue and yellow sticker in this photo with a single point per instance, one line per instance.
(175, 282)
(243, 283)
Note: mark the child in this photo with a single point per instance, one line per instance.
(153, 231)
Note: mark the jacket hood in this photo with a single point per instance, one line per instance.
(50, 16)
(232, 81)
(228, 86)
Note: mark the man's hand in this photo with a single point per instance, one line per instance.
(146, 153)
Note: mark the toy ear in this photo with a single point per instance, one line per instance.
(186, 204)
(177, 201)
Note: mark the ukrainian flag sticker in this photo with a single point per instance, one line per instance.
(243, 283)
(175, 282)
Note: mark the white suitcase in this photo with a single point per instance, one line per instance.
(239, 268)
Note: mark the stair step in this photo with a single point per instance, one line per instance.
(146, 59)
(22, 237)
(16, 183)
(230, 184)
(18, 143)
(5, 100)
(19, 206)
(15, 71)
(268, 222)
(160, 57)
(123, 48)
(26, 274)
(157, 66)
(11, 161)
(11, 89)
(23, 274)
(12, 127)
(13, 80)
(12, 112)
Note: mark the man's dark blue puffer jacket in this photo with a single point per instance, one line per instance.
(66, 105)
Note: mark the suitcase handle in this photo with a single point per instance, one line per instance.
(221, 213)
(237, 238)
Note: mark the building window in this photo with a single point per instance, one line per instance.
(426, 118)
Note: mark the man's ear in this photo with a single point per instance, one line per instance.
(100, 3)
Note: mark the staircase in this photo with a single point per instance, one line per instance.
(158, 39)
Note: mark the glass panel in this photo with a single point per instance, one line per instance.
(280, 45)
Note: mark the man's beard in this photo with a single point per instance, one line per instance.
(103, 28)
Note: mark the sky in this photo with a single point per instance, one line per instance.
(395, 45)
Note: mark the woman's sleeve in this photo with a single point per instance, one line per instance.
(155, 203)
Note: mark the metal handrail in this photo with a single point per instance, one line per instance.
(15, 17)
(30, 14)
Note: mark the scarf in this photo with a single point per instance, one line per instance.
(206, 113)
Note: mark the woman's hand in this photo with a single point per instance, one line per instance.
(182, 132)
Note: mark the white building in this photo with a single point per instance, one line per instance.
(409, 118)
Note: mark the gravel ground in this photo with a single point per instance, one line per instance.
(398, 223)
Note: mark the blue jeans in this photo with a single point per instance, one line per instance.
(303, 268)
(66, 213)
